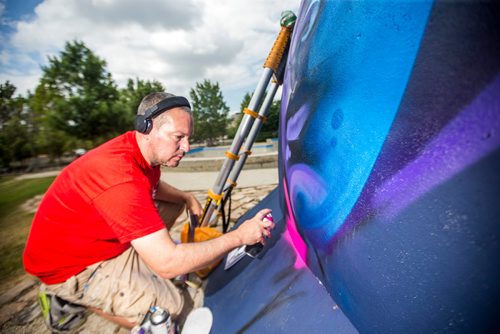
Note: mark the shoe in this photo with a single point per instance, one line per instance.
(59, 314)
(199, 321)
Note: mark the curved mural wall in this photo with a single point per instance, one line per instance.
(390, 161)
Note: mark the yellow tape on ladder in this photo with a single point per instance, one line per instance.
(232, 156)
(255, 115)
(217, 198)
(231, 182)
(250, 112)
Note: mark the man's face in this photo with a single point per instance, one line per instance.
(170, 142)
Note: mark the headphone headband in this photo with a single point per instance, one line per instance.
(144, 123)
(166, 104)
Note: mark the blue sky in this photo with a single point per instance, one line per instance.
(225, 41)
(18, 9)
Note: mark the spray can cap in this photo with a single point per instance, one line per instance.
(159, 316)
(269, 217)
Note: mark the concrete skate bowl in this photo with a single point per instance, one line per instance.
(388, 203)
(205, 159)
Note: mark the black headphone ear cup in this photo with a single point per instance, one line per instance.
(139, 123)
(142, 124)
(148, 125)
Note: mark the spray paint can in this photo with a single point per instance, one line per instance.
(161, 322)
(254, 250)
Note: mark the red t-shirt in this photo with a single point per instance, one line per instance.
(92, 210)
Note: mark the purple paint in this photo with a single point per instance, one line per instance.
(472, 135)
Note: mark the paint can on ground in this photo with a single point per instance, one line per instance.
(161, 322)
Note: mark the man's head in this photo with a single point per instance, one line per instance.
(164, 125)
(154, 105)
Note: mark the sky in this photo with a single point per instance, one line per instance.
(177, 43)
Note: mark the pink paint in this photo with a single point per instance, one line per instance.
(292, 234)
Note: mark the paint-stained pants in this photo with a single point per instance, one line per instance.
(125, 286)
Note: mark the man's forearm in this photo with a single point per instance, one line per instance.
(169, 260)
(191, 257)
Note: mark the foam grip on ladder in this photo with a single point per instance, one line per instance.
(274, 58)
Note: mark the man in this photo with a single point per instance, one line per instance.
(100, 236)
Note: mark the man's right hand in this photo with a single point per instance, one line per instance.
(256, 229)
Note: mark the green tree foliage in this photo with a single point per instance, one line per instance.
(75, 104)
(246, 101)
(39, 103)
(269, 129)
(131, 96)
(7, 108)
(79, 95)
(14, 126)
(209, 111)
(235, 120)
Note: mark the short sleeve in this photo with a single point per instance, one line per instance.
(129, 210)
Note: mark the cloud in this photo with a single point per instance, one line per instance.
(175, 43)
(154, 14)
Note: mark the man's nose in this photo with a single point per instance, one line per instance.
(185, 145)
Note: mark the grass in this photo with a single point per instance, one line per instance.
(15, 222)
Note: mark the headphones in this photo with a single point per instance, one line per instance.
(144, 123)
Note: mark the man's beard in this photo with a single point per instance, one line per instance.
(171, 163)
(174, 162)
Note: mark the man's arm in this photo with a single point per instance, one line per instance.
(169, 260)
(168, 193)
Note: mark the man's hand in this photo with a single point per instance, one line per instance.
(256, 229)
(193, 205)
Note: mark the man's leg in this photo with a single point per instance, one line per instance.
(121, 321)
(122, 290)
(169, 212)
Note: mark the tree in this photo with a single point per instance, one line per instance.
(80, 95)
(131, 96)
(236, 118)
(209, 111)
(246, 101)
(7, 91)
(269, 128)
(14, 127)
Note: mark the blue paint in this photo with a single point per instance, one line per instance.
(359, 60)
